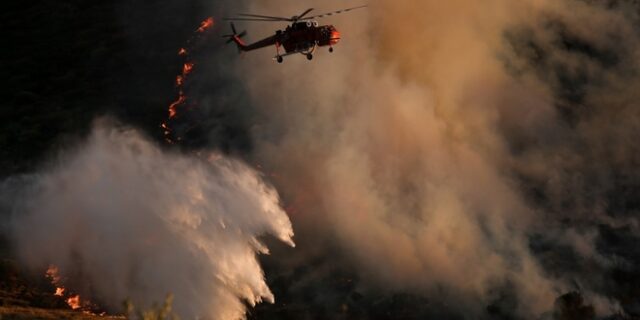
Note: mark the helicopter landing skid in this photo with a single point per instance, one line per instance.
(306, 52)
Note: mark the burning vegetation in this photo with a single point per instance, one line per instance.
(73, 300)
(206, 24)
(182, 102)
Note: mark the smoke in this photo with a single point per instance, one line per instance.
(446, 145)
(121, 219)
(480, 154)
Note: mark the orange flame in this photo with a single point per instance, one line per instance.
(166, 128)
(206, 24)
(74, 302)
(53, 273)
(174, 106)
(186, 69)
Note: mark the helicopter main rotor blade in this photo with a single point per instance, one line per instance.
(299, 17)
(264, 17)
(250, 19)
(332, 13)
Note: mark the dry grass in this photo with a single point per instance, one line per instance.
(31, 313)
(23, 297)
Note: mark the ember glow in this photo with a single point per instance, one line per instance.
(74, 302)
(206, 24)
(53, 274)
(186, 69)
(181, 79)
(174, 106)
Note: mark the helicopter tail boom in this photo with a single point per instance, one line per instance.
(239, 43)
(237, 39)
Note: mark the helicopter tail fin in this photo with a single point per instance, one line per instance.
(236, 38)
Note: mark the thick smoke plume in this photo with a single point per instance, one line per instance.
(121, 219)
(445, 144)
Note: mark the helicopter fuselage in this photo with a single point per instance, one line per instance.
(305, 36)
(300, 37)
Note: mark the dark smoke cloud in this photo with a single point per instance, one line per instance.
(462, 150)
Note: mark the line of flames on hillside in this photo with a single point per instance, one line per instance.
(181, 79)
(73, 300)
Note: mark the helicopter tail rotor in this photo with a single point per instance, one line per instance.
(235, 37)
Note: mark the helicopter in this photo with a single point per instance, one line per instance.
(303, 35)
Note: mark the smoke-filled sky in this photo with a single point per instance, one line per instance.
(444, 141)
(479, 155)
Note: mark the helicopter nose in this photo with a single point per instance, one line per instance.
(335, 37)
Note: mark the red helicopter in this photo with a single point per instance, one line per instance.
(303, 36)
